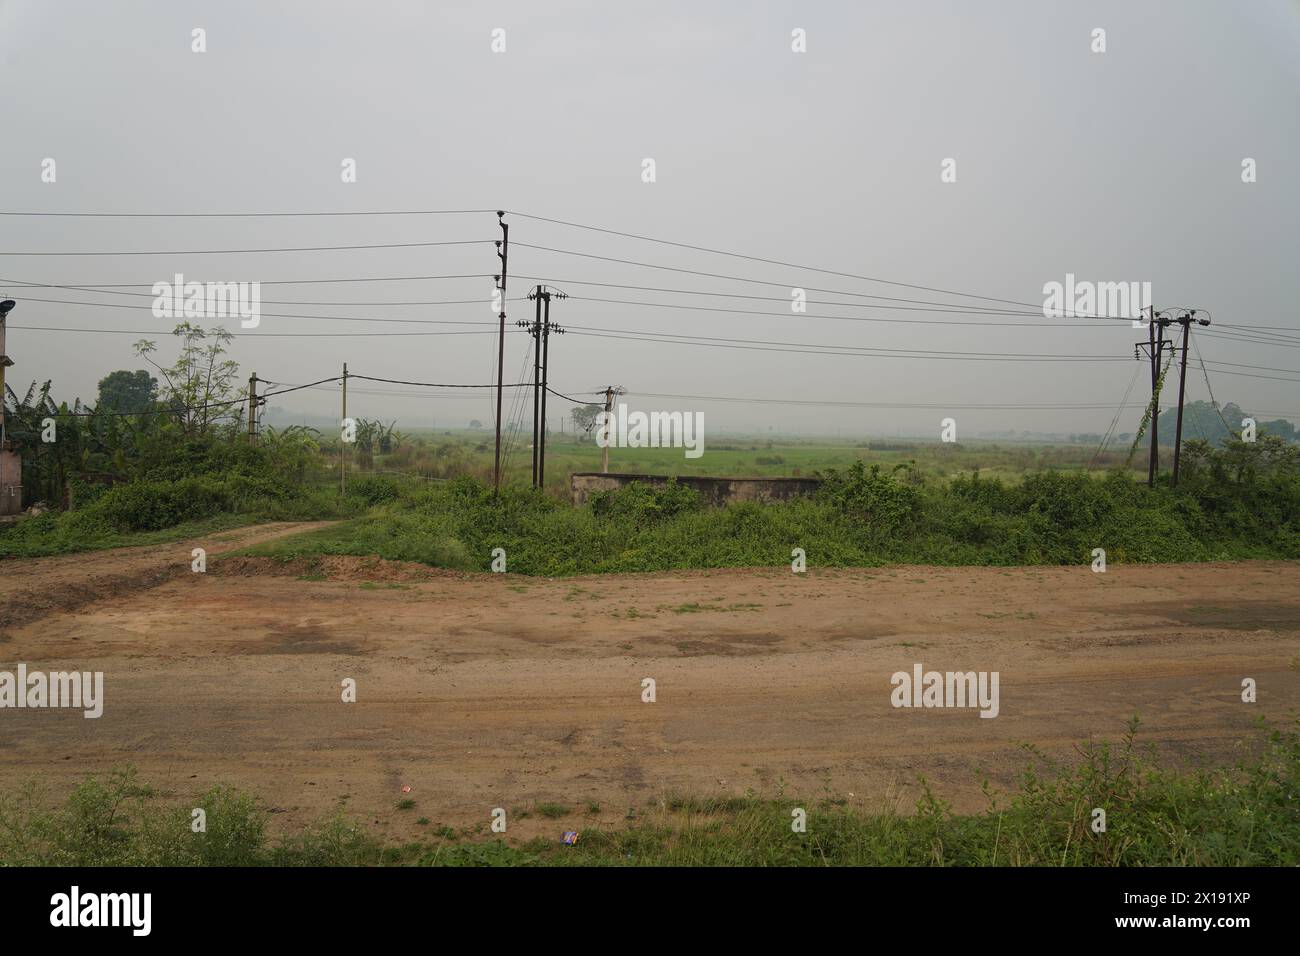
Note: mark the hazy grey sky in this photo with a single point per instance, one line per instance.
(1115, 166)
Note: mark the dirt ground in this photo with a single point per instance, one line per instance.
(482, 691)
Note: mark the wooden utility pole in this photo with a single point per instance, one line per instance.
(252, 408)
(343, 446)
(503, 253)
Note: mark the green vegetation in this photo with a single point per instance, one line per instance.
(176, 488)
(140, 466)
(157, 459)
(1242, 501)
(1155, 816)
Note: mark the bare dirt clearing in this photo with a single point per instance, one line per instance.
(481, 691)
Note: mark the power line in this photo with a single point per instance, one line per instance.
(1272, 378)
(151, 295)
(280, 315)
(522, 215)
(861, 353)
(954, 306)
(1114, 422)
(865, 351)
(774, 262)
(859, 318)
(294, 388)
(395, 381)
(1287, 343)
(1264, 368)
(786, 285)
(175, 410)
(576, 401)
(853, 404)
(253, 335)
(823, 345)
(248, 215)
(222, 252)
(97, 286)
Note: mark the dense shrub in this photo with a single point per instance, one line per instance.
(876, 500)
(374, 489)
(152, 505)
(645, 503)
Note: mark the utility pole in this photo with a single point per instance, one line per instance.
(536, 333)
(1151, 348)
(541, 329)
(252, 408)
(1155, 350)
(610, 392)
(11, 464)
(604, 452)
(546, 338)
(343, 446)
(1185, 321)
(503, 253)
(5, 308)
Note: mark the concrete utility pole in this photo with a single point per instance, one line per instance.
(343, 446)
(546, 339)
(537, 374)
(611, 391)
(1155, 346)
(1156, 334)
(1185, 321)
(11, 463)
(604, 452)
(503, 253)
(252, 408)
(541, 330)
(5, 308)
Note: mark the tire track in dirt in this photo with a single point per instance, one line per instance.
(33, 589)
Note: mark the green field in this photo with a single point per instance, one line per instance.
(449, 453)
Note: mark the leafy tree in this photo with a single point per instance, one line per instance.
(584, 417)
(201, 387)
(1280, 428)
(123, 391)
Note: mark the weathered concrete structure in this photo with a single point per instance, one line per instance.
(11, 481)
(715, 491)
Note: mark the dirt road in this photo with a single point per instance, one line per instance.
(483, 691)
(33, 588)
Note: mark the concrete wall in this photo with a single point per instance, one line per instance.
(11, 482)
(715, 491)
